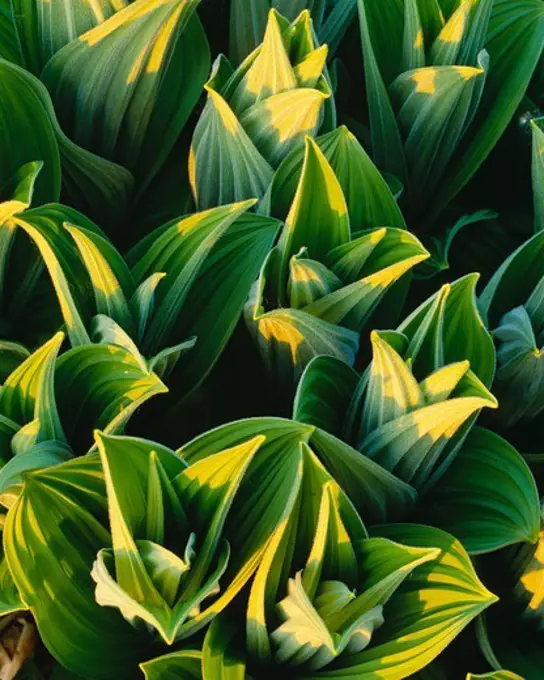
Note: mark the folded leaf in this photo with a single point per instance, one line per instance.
(180, 250)
(184, 665)
(318, 219)
(376, 493)
(219, 292)
(133, 110)
(488, 497)
(279, 123)
(538, 172)
(221, 658)
(65, 507)
(44, 28)
(447, 328)
(101, 386)
(463, 35)
(368, 197)
(387, 147)
(435, 105)
(413, 53)
(324, 393)
(270, 72)
(514, 42)
(224, 164)
(246, 28)
(28, 133)
(288, 339)
(29, 392)
(416, 627)
(514, 281)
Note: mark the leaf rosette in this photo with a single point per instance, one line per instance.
(256, 114)
(322, 283)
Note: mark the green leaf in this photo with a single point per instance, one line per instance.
(324, 393)
(520, 367)
(106, 331)
(221, 657)
(181, 250)
(147, 575)
(12, 354)
(385, 26)
(261, 505)
(219, 292)
(514, 281)
(281, 435)
(42, 455)
(142, 303)
(432, 19)
(44, 28)
(29, 393)
(247, 27)
(10, 600)
(184, 665)
(131, 107)
(440, 246)
(10, 49)
(336, 24)
(368, 197)
(435, 106)
(91, 182)
(376, 493)
(279, 123)
(514, 42)
(28, 133)
(488, 497)
(463, 35)
(387, 147)
(538, 172)
(426, 612)
(224, 164)
(381, 258)
(415, 430)
(164, 363)
(318, 218)
(447, 328)
(270, 72)
(288, 339)
(67, 272)
(413, 53)
(110, 277)
(392, 390)
(101, 386)
(309, 280)
(65, 507)
(422, 442)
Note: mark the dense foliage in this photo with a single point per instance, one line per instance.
(271, 339)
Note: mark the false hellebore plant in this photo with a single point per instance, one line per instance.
(49, 406)
(104, 131)
(186, 276)
(322, 282)
(443, 80)
(180, 543)
(412, 413)
(248, 21)
(330, 599)
(512, 304)
(256, 114)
